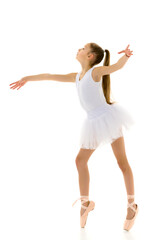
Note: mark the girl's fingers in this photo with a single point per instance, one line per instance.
(126, 49)
(15, 86)
(127, 46)
(19, 87)
(11, 84)
(17, 82)
(12, 87)
(121, 51)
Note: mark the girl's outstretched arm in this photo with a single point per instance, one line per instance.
(70, 77)
(105, 70)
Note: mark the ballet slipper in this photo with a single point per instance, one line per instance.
(129, 222)
(90, 207)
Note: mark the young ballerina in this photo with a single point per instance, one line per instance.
(104, 122)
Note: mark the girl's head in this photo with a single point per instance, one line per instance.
(92, 54)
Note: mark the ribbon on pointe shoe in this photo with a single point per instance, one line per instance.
(84, 198)
(130, 205)
(130, 196)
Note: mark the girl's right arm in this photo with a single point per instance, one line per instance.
(70, 77)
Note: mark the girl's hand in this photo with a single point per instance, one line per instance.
(19, 83)
(127, 51)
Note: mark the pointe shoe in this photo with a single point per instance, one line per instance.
(90, 207)
(129, 222)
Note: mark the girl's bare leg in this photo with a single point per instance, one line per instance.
(84, 178)
(118, 147)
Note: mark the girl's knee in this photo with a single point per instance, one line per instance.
(123, 164)
(81, 162)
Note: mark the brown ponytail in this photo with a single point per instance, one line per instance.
(106, 79)
(99, 53)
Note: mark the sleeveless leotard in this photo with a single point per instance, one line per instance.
(104, 122)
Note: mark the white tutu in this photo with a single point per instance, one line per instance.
(104, 125)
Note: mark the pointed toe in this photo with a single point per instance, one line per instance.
(130, 222)
(83, 218)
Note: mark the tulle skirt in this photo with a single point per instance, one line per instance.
(104, 124)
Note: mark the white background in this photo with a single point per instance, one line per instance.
(41, 122)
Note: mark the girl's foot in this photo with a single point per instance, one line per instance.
(130, 212)
(82, 209)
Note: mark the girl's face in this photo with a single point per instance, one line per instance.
(83, 53)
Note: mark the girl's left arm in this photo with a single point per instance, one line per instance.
(122, 61)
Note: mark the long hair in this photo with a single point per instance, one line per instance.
(99, 53)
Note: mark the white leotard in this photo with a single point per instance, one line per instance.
(104, 121)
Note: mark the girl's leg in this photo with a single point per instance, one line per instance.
(82, 167)
(118, 148)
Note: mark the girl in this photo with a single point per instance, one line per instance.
(103, 123)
